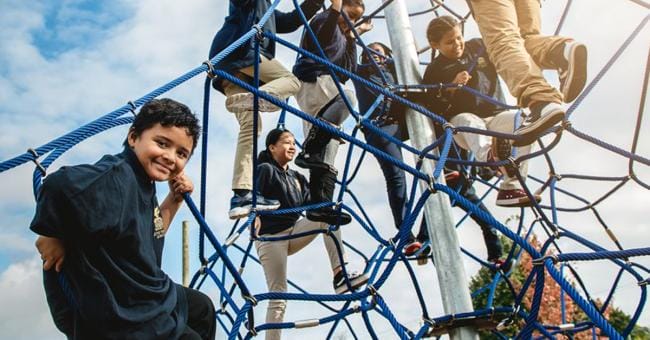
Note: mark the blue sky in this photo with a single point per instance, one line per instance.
(65, 63)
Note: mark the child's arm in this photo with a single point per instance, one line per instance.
(52, 252)
(177, 187)
(289, 22)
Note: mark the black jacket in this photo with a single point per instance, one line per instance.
(484, 80)
(243, 15)
(287, 186)
(339, 49)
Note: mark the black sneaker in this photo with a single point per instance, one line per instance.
(240, 206)
(542, 117)
(573, 76)
(311, 161)
(356, 280)
(329, 215)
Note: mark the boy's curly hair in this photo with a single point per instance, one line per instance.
(167, 112)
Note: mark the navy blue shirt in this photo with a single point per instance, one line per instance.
(104, 213)
(289, 187)
(339, 49)
(243, 14)
(484, 80)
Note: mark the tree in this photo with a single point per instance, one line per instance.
(550, 312)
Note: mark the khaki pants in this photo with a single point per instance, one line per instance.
(278, 81)
(312, 97)
(480, 144)
(511, 32)
(273, 256)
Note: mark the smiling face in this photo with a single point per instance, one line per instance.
(451, 45)
(284, 149)
(379, 49)
(162, 151)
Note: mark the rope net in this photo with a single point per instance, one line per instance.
(539, 234)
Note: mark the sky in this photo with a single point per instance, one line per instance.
(66, 63)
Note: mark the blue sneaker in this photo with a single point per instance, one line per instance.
(240, 206)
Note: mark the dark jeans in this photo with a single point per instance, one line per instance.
(394, 176)
(201, 322)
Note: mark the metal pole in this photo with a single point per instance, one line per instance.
(186, 253)
(454, 287)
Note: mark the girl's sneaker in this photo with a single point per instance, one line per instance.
(356, 280)
(412, 248)
(515, 198)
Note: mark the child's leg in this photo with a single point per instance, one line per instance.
(497, 21)
(273, 256)
(243, 168)
(538, 46)
(305, 225)
(201, 322)
(505, 122)
(478, 144)
(278, 81)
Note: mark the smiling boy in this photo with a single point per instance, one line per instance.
(105, 219)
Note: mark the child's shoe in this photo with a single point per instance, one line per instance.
(240, 206)
(242, 102)
(573, 72)
(502, 265)
(356, 280)
(412, 248)
(542, 117)
(501, 150)
(515, 198)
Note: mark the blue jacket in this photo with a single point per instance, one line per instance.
(484, 80)
(339, 49)
(242, 16)
(289, 187)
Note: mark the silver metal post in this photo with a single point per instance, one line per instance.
(454, 287)
(186, 254)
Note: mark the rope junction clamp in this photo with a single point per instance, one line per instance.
(250, 299)
(132, 108)
(210, 71)
(259, 35)
(540, 260)
(40, 167)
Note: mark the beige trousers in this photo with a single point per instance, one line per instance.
(312, 97)
(511, 32)
(480, 144)
(278, 81)
(273, 256)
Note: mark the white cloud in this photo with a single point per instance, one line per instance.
(25, 314)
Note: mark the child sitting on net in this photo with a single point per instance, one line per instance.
(277, 181)
(319, 97)
(275, 80)
(105, 221)
(464, 63)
